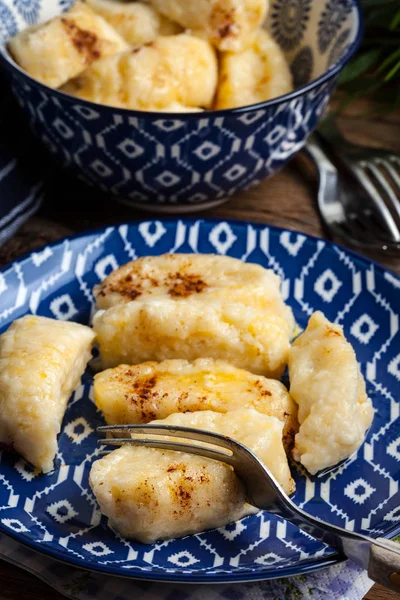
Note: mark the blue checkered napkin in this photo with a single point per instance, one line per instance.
(21, 167)
(345, 581)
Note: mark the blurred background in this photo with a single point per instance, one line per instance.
(374, 73)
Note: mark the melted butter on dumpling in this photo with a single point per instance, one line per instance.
(151, 390)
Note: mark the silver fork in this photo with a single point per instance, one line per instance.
(346, 211)
(377, 170)
(374, 175)
(380, 556)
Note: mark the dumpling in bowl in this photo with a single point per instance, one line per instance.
(141, 393)
(179, 68)
(326, 382)
(150, 494)
(137, 23)
(41, 363)
(257, 73)
(203, 276)
(62, 48)
(226, 23)
(160, 329)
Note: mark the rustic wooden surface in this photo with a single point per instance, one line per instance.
(287, 200)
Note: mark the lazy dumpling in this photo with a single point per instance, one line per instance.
(202, 276)
(226, 23)
(179, 68)
(62, 48)
(246, 337)
(150, 494)
(151, 390)
(137, 23)
(258, 73)
(41, 363)
(326, 382)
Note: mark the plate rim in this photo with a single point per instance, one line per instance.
(187, 578)
(183, 577)
(191, 221)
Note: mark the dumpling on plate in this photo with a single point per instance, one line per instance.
(203, 276)
(150, 494)
(62, 48)
(151, 390)
(326, 382)
(137, 23)
(160, 329)
(41, 363)
(258, 73)
(178, 68)
(226, 23)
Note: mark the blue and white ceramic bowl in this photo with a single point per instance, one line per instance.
(183, 162)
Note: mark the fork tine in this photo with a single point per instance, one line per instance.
(358, 227)
(389, 167)
(261, 486)
(170, 430)
(383, 182)
(170, 445)
(395, 160)
(376, 197)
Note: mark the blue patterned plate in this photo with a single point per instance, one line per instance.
(57, 514)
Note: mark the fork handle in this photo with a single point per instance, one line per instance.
(381, 557)
(384, 564)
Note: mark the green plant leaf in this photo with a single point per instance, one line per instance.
(388, 61)
(375, 70)
(395, 21)
(393, 72)
(360, 65)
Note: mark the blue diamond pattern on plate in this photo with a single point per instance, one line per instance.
(57, 513)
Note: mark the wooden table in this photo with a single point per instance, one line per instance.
(286, 200)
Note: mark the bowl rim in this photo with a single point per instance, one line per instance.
(7, 61)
